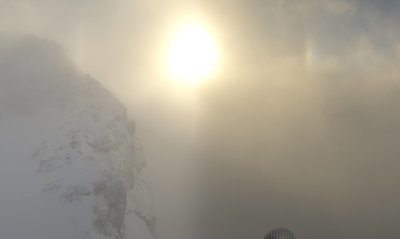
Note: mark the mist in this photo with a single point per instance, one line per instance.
(302, 130)
(298, 129)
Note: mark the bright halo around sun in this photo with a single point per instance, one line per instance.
(192, 53)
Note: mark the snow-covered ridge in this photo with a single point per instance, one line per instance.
(71, 141)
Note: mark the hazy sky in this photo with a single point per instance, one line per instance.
(302, 130)
(299, 128)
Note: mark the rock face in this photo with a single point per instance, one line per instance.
(71, 166)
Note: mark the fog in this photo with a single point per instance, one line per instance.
(298, 128)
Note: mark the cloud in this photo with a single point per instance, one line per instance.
(298, 130)
(302, 133)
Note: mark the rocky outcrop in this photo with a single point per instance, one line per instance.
(86, 162)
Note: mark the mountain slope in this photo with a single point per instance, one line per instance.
(71, 166)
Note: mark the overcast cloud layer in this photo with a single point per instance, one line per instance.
(299, 129)
(303, 132)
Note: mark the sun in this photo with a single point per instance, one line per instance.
(192, 53)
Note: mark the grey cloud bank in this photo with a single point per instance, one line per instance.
(303, 132)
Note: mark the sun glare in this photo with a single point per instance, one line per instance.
(192, 53)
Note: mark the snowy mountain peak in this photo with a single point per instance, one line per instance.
(83, 174)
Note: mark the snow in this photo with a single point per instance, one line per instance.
(71, 166)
